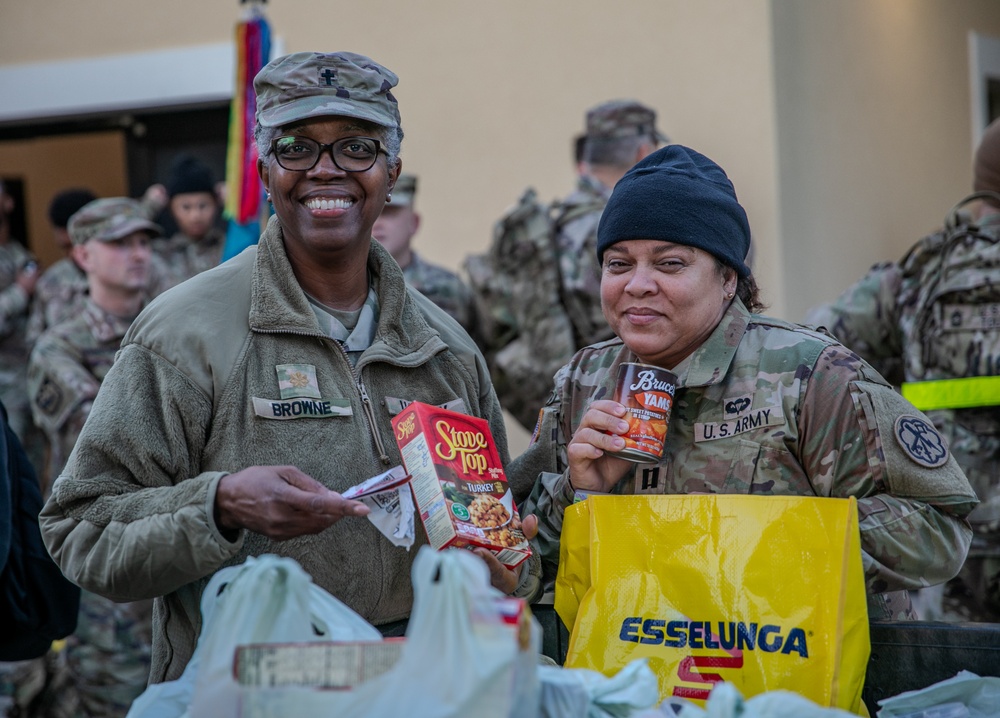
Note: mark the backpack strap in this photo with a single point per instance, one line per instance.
(957, 219)
(562, 213)
(958, 226)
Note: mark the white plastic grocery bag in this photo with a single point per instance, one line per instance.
(459, 660)
(267, 599)
(576, 692)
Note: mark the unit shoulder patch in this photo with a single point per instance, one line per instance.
(50, 397)
(920, 441)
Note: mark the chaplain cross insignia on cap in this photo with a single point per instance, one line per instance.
(329, 76)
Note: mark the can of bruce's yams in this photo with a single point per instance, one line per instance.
(648, 395)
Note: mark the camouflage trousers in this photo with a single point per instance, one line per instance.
(15, 400)
(973, 595)
(40, 688)
(109, 654)
(95, 673)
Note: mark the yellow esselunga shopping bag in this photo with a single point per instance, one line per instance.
(764, 592)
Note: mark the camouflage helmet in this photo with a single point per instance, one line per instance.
(622, 118)
(312, 84)
(405, 190)
(109, 219)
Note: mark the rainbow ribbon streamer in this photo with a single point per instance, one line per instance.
(244, 192)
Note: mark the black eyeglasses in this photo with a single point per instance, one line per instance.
(351, 154)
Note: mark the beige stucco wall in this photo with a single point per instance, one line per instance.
(874, 131)
(490, 93)
(845, 124)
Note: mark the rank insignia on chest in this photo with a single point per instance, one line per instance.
(300, 397)
(297, 381)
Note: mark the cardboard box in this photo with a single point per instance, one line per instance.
(323, 677)
(343, 665)
(458, 482)
(338, 665)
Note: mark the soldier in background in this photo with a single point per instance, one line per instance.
(194, 206)
(619, 134)
(394, 229)
(537, 289)
(579, 145)
(18, 279)
(60, 289)
(18, 276)
(108, 656)
(890, 317)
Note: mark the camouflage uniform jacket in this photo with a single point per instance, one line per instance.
(184, 257)
(13, 346)
(67, 366)
(576, 218)
(878, 318)
(60, 295)
(13, 307)
(767, 407)
(233, 370)
(446, 289)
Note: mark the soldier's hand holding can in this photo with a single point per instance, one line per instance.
(647, 393)
(593, 463)
(633, 425)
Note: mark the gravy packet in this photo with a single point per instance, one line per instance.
(391, 502)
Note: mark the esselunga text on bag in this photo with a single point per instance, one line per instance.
(765, 592)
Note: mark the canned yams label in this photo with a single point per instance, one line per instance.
(647, 392)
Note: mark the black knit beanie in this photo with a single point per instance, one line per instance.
(678, 195)
(67, 203)
(189, 174)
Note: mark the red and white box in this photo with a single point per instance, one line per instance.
(458, 482)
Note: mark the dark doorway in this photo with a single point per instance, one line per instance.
(992, 99)
(18, 219)
(156, 139)
(153, 139)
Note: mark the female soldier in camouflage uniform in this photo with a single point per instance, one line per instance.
(762, 406)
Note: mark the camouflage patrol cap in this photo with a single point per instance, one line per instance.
(405, 190)
(313, 84)
(622, 118)
(109, 219)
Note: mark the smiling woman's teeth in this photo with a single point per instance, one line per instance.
(320, 203)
